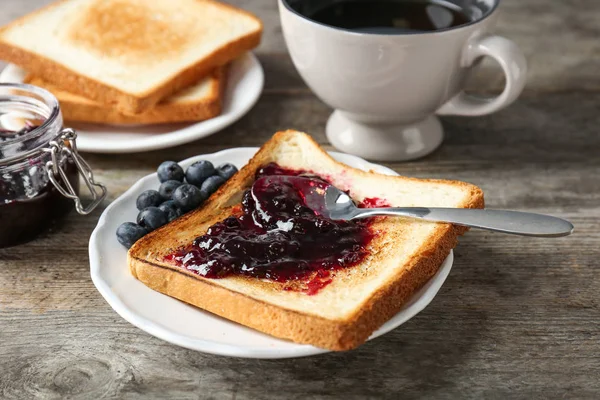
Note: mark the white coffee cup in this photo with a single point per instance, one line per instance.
(387, 88)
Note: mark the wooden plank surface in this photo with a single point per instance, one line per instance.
(517, 318)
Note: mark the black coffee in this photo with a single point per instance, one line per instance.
(387, 16)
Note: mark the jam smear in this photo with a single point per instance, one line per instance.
(276, 236)
(373, 202)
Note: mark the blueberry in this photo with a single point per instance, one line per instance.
(152, 218)
(167, 188)
(187, 197)
(211, 184)
(149, 198)
(226, 171)
(199, 171)
(128, 233)
(171, 209)
(168, 204)
(170, 171)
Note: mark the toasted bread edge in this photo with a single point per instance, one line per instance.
(337, 335)
(190, 111)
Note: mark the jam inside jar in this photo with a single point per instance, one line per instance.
(39, 165)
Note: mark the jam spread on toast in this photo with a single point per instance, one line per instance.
(275, 236)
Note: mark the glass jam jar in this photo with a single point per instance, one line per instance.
(39, 165)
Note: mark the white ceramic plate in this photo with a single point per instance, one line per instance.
(244, 86)
(187, 326)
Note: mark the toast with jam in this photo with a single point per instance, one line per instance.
(263, 259)
(130, 54)
(196, 103)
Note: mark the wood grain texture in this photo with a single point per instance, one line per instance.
(517, 318)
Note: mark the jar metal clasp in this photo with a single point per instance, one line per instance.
(65, 147)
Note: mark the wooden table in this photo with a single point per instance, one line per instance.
(517, 318)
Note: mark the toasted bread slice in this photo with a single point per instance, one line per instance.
(404, 254)
(128, 53)
(196, 103)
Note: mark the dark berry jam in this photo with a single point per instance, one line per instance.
(276, 236)
(8, 134)
(7, 145)
(30, 204)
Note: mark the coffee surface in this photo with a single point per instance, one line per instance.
(381, 16)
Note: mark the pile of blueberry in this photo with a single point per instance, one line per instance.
(174, 197)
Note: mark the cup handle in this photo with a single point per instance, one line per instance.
(513, 63)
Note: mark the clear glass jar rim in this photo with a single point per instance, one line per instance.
(51, 102)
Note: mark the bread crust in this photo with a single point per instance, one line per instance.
(289, 324)
(126, 103)
(164, 112)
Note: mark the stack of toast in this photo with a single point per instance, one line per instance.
(132, 61)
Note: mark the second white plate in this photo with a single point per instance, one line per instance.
(187, 326)
(244, 85)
